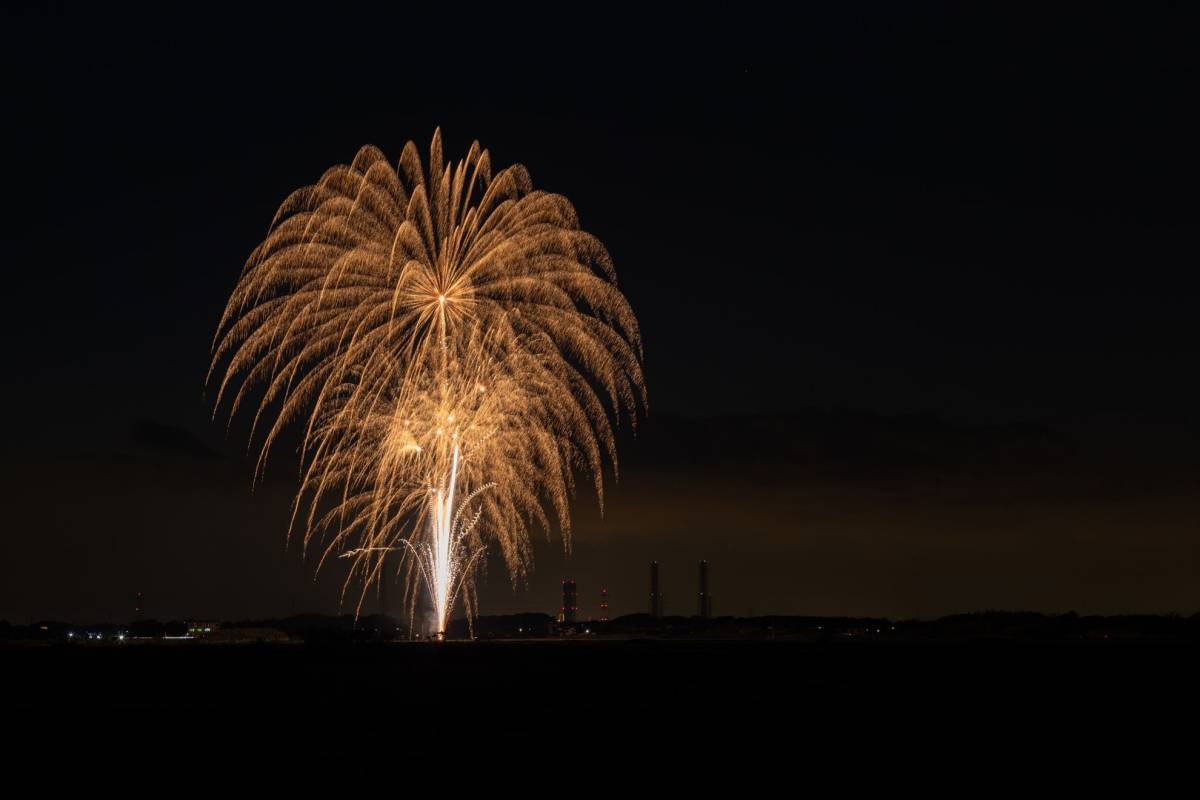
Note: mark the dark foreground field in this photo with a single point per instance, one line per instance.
(1101, 677)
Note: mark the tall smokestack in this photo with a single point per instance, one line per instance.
(705, 595)
(384, 578)
(656, 598)
(570, 601)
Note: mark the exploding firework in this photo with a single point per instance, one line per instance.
(452, 345)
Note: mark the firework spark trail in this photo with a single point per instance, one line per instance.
(452, 345)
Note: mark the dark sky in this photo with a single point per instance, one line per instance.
(916, 288)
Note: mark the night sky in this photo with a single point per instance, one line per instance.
(916, 289)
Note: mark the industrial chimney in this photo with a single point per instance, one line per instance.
(656, 598)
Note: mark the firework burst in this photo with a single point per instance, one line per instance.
(455, 350)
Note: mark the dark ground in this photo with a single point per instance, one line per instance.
(1107, 679)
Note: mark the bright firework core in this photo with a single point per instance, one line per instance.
(453, 346)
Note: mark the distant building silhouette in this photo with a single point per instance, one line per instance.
(384, 579)
(201, 629)
(656, 598)
(705, 594)
(604, 605)
(570, 601)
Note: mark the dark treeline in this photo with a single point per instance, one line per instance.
(317, 628)
(986, 625)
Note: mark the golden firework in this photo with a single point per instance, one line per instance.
(453, 345)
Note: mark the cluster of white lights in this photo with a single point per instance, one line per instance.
(96, 636)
